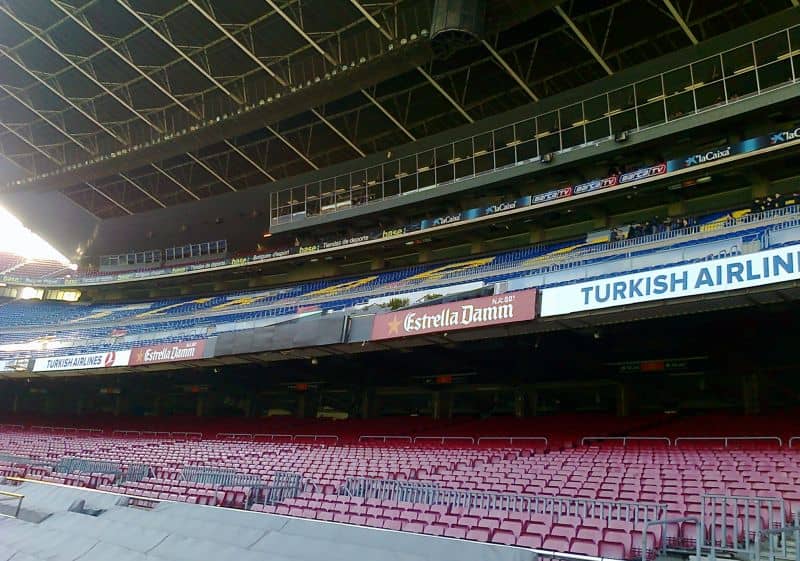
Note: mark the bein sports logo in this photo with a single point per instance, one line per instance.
(784, 136)
(709, 156)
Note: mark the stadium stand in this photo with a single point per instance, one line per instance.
(102, 328)
(399, 484)
(610, 188)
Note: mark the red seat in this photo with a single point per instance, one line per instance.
(556, 543)
(611, 550)
(505, 537)
(413, 526)
(534, 541)
(456, 532)
(479, 534)
(513, 526)
(583, 547)
(393, 524)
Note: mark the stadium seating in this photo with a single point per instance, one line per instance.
(642, 471)
(99, 328)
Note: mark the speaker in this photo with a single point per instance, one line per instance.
(457, 24)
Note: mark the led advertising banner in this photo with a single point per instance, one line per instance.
(466, 314)
(719, 275)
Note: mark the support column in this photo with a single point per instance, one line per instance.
(368, 405)
(442, 405)
(751, 400)
(200, 405)
(623, 399)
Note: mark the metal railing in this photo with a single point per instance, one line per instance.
(432, 493)
(317, 437)
(284, 485)
(698, 542)
(83, 466)
(137, 472)
(444, 439)
(384, 438)
(726, 440)
(746, 71)
(626, 439)
(6, 496)
(512, 439)
(733, 522)
(220, 477)
(780, 534)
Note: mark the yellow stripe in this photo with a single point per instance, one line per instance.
(331, 290)
(453, 267)
(172, 306)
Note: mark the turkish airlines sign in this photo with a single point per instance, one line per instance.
(173, 352)
(468, 314)
(82, 362)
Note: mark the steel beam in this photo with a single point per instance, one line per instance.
(208, 168)
(682, 23)
(457, 106)
(252, 56)
(307, 38)
(61, 130)
(49, 42)
(31, 144)
(158, 86)
(21, 65)
(510, 71)
(108, 198)
(166, 174)
(143, 190)
(582, 38)
(174, 47)
(83, 24)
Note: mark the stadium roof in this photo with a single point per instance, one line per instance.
(87, 81)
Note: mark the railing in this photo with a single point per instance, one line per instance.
(158, 434)
(727, 439)
(664, 545)
(792, 440)
(733, 522)
(384, 438)
(67, 431)
(5, 496)
(781, 534)
(746, 71)
(80, 465)
(234, 436)
(443, 439)
(625, 439)
(284, 485)
(512, 439)
(273, 437)
(220, 477)
(137, 472)
(432, 493)
(317, 437)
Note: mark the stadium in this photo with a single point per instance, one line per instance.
(399, 279)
